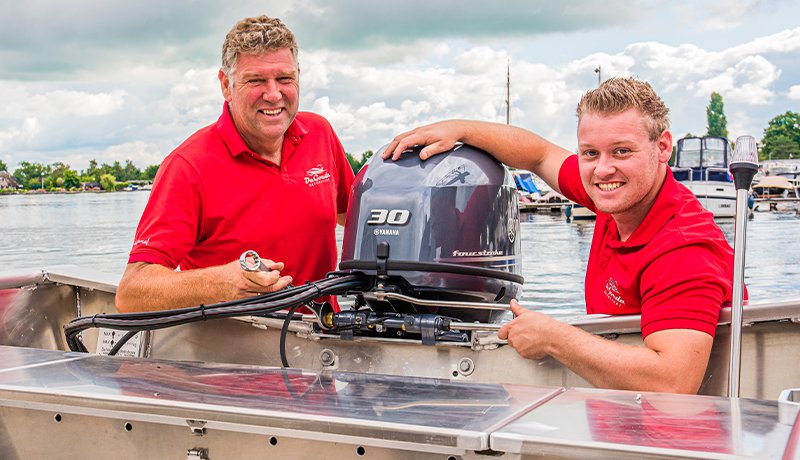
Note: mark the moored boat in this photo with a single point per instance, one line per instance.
(701, 164)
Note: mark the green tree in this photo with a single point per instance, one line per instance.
(30, 175)
(3, 166)
(365, 157)
(149, 172)
(357, 164)
(93, 171)
(71, 179)
(715, 113)
(107, 182)
(130, 172)
(781, 137)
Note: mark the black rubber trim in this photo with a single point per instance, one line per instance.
(437, 267)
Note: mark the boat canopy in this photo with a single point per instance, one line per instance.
(702, 158)
(774, 182)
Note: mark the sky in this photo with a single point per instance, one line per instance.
(119, 80)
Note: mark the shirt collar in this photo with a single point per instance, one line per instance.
(233, 140)
(663, 209)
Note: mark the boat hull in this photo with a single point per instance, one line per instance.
(716, 196)
(215, 390)
(34, 308)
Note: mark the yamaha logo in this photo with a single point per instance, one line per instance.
(513, 225)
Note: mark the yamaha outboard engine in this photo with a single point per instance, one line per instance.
(445, 229)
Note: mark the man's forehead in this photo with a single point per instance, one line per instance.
(274, 56)
(623, 126)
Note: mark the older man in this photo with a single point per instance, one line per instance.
(263, 177)
(655, 250)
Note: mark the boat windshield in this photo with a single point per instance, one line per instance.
(714, 153)
(690, 153)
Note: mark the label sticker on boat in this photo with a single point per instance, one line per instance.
(107, 338)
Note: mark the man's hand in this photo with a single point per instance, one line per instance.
(672, 360)
(437, 138)
(247, 284)
(148, 287)
(528, 332)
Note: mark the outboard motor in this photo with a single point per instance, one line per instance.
(443, 230)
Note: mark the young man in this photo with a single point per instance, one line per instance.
(263, 177)
(655, 250)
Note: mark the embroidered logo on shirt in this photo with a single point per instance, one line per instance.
(612, 293)
(317, 175)
(142, 242)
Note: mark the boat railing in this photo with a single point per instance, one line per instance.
(710, 173)
(682, 174)
(717, 174)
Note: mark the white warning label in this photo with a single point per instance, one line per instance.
(110, 337)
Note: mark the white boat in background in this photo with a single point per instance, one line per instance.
(775, 187)
(701, 164)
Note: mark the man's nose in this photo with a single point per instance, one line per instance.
(271, 92)
(605, 166)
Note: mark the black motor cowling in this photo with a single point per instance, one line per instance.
(443, 229)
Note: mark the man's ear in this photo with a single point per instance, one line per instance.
(664, 143)
(224, 83)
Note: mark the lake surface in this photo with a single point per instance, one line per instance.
(95, 230)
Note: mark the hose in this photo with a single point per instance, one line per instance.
(335, 283)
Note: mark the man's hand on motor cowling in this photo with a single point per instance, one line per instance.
(250, 283)
(437, 138)
(528, 332)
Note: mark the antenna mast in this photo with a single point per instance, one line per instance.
(508, 93)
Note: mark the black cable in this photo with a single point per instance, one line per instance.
(121, 342)
(258, 305)
(284, 330)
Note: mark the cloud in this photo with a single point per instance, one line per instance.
(543, 96)
(349, 24)
(92, 79)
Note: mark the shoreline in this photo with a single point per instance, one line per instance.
(64, 192)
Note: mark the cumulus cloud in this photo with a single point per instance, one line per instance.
(86, 83)
(358, 24)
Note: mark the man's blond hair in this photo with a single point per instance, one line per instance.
(255, 36)
(617, 95)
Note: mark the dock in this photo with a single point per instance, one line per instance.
(546, 206)
(772, 204)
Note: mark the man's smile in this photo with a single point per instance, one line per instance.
(607, 187)
(270, 112)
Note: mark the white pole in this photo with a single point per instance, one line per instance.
(744, 166)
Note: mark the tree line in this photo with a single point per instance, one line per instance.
(781, 140)
(58, 176)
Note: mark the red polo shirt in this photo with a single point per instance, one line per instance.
(676, 269)
(213, 198)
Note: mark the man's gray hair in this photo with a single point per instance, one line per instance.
(254, 36)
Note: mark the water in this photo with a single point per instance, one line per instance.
(95, 230)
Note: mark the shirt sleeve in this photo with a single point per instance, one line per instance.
(569, 182)
(684, 289)
(169, 225)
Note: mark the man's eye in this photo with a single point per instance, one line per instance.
(255, 81)
(589, 153)
(623, 151)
